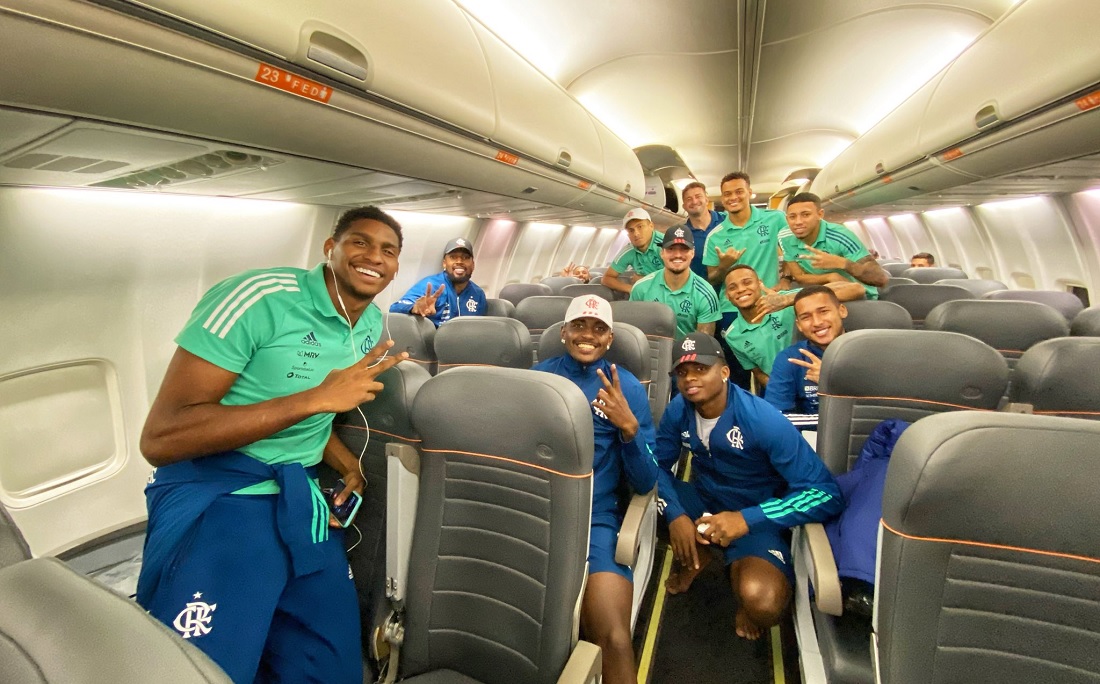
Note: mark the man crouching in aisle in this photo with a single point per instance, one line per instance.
(753, 476)
(624, 439)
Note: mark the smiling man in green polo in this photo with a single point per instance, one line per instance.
(690, 297)
(643, 256)
(748, 235)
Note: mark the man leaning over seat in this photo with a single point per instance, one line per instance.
(624, 438)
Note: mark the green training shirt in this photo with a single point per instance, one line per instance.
(759, 238)
(694, 303)
(279, 332)
(832, 238)
(643, 263)
(757, 344)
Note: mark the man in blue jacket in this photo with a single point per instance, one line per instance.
(449, 293)
(624, 440)
(753, 477)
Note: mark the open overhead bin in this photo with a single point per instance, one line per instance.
(1012, 100)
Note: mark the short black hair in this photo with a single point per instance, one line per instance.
(816, 290)
(735, 175)
(740, 266)
(805, 197)
(370, 213)
(923, 255)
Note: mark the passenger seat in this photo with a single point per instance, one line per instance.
(517, 292)
(539, 313)
(483, 341)
(1059, 377)
(1066, 303)
(918, 300)
(412, 334)
(658, 323)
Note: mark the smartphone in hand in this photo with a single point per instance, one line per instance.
(345, 512)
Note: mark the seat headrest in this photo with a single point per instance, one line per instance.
(652, 318)
(391, 409)
(931, 274)
(582, 289)
(1007, 326)
(483, 340)
(918, 300)
(1066, 303)
(630, 349)
(975, 286)
(1060, 376)
(516, 292)
(540, 312)
(412, 334)
(538, 419)
(997, 478)
(500, 308)
(941, 367)
(898, 280)
(556, 283)
(876, 314)
(895, 268)
(1087, 323)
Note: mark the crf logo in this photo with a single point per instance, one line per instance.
(762, 231)
(737, 440)
(471, 305)
(685, 306)
(592, 303)
(689, 345)
(194, 620)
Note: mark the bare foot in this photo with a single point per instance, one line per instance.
(681, 577)
(746, 628)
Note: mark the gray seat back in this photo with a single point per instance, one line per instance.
(918, 300)
(658, 323)
(556, 283)
(502, 308)
(60, 627)
(988, 567)
(588, 289)
(1009, 327)
(876, 314)
(898, 280)
(895, 268)
(415, 335)
(1060, 377)
(975, 286)
(388, 419)
(13, 547)
(1066, 303)
(630, 349)
(517, 292)
(932, 274)
(868, 376)
(1087, 323)
(483, 341)
(540, 312)
(498, 555)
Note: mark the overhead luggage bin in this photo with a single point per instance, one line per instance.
(622, 172)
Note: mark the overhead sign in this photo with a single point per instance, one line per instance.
(292, 83)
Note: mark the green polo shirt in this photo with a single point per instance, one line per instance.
(759, 237)
(279, 332)
(757, 344)
(694, 303)
(643, 263)
(832, 238)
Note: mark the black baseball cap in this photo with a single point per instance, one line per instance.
(458, 243)
(678, 236)
(698, 347)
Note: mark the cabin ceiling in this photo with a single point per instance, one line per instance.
(765, 86)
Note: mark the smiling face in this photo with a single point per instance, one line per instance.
(820, 319)
(743, 288)
(804, 219)
(363, 259)
(699, 383)
(677, 258)
(736, 195)
(459, 266)
(586, 339)
(695, 202)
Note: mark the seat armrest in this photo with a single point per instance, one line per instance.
(630, 534)
(402, 490)
(823, 570)
(585, 664)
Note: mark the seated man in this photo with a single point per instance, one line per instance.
(624, 441)
(691, 298)
(449, 293)
(643, 256)
(922, 260)
(576, 271)
(753, 477)
(819, 315)
(765, 320)
(819, 252)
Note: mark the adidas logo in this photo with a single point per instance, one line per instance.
(311, 340)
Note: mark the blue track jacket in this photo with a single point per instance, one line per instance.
(450, 304)
(612, 454)
(756, 463)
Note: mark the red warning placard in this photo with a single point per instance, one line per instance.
(507, 157)
(1088, 101)
(292, 83)
(953, 153)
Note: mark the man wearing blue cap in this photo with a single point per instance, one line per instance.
(449, 293)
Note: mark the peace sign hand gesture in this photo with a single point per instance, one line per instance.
(345, 388)
(813, 366)
(823, 261)
(425, 305)
(611, 401)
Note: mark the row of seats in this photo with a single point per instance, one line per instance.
(871, 375)
(567, 286)
(918, 300)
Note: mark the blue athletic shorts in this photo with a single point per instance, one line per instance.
(601, 550)
(229, 591)
(771, 546)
